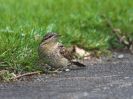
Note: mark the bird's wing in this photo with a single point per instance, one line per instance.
(67, 52)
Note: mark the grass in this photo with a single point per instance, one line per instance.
(78, 21)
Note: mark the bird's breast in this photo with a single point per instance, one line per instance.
(51, 55)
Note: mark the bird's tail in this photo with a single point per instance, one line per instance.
(78, 64)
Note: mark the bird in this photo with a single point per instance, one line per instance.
(54, 54)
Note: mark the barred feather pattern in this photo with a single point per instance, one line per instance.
(51, 56)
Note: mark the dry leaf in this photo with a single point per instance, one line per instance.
(82, 53)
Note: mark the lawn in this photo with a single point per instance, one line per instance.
(80, 22)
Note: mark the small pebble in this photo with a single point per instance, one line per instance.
(120, 56)
(67, 70)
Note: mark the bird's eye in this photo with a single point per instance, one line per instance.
(47, 37)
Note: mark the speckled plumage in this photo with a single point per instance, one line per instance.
(52, 56)
(53, 53)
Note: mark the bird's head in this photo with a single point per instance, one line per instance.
(50, 37)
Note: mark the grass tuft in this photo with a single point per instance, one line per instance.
(78, 21)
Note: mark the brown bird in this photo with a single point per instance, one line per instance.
(55, 54)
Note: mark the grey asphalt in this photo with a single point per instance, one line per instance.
(112, 78)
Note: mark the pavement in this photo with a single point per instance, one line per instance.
(111, 78)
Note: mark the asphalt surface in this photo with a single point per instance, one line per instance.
(111, 78)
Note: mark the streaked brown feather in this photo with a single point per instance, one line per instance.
(70, 54)
(67, 52)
